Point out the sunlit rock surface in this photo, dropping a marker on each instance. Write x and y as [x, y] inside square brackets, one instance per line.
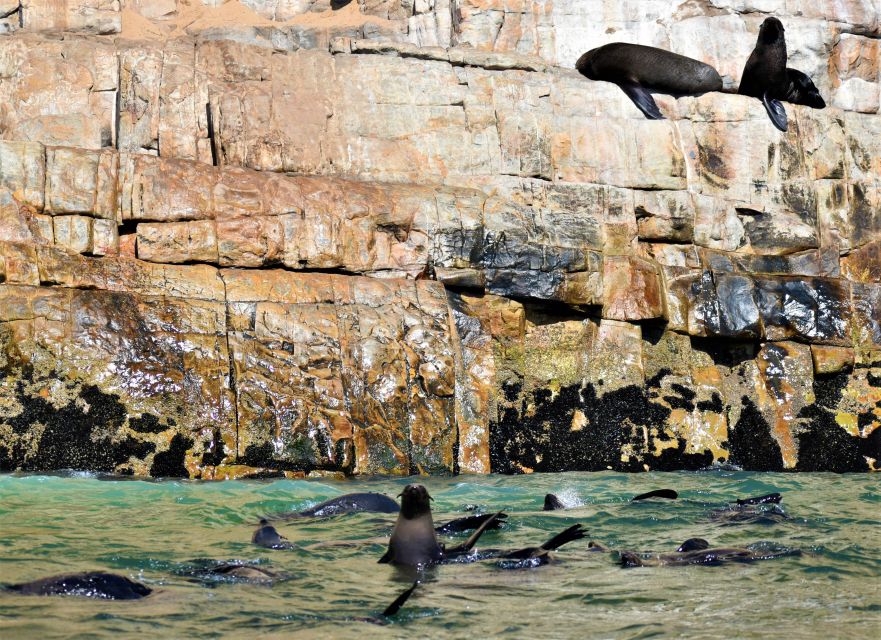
[261, 237]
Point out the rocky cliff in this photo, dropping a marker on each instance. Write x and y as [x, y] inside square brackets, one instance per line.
[403, 236]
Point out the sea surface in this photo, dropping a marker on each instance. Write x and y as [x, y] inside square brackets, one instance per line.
[154, 531]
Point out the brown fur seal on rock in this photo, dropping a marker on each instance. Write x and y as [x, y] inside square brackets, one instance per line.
[97, 584]
[641, 71]
[414, 541]
[800, 89]
[764, 76]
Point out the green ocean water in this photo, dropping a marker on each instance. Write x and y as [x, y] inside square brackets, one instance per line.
[150, 531]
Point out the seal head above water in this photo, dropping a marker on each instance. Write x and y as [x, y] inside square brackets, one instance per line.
[641, 71]
[414, 541]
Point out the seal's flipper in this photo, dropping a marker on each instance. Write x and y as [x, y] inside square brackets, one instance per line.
[575, 532]
[776, 111]
[643, 100]
[669, 494]
[386, 557]
[395, 606]
[552, 503]
[466, 546]
[771, 498]
[472, 522]
[693, 544]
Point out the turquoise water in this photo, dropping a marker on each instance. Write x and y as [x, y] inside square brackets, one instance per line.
[151, 530]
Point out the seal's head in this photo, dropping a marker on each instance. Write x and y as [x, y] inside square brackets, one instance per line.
[771, 30]
[584, 65]
[807, 94]
[415, 501]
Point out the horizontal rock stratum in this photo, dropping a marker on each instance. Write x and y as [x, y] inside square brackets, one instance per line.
[252, 239]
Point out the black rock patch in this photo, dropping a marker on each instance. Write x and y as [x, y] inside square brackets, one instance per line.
[170, 463]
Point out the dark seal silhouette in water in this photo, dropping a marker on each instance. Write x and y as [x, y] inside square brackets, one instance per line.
[213, 572]
[266, 536]
[641, 71]
[764, 76]
[697, 551]
[348, 503]
[414, 540]
[536, 556]
[667, 494]
[378, 503]
[100, 585]
[770, 498]
[552, 503]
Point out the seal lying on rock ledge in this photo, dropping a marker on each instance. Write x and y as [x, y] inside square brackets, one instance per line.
[97, 584]
[641, 70]
[764, 75]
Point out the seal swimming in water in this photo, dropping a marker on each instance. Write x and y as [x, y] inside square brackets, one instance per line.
[756, 510]
[667, 494]
[267, 536]
[97, 584]
[212, 572]
[535, 556]
[552, 503]
[379, 503]
[764, 75]
[348, 503]
[414, 540]
[698, 551]
[639, 71]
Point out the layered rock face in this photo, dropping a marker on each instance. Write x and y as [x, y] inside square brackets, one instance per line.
[240, 238]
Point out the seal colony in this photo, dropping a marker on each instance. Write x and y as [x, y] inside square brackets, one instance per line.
[414, 547]
[640, 71]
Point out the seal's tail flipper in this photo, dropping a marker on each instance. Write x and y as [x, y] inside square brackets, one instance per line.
[472, 522]
[552, 503]
[771, 498]
[669, 494]
[776, 112]
[395, 606]
[575, 532]
[693, 544]
[643, 100]
[466, 546]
